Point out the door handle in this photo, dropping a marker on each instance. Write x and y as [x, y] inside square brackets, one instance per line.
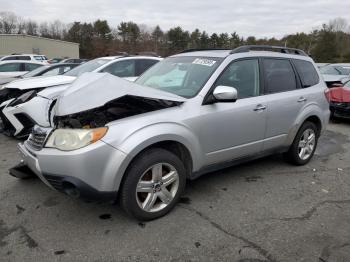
[302, 99]
[260, 108]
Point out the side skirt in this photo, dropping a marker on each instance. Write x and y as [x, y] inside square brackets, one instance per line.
[235, 162]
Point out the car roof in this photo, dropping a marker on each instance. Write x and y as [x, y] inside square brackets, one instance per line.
[130, 57]
[224, 54]
[248, 51]
[62, 64]
[207, 53]
[22, 61]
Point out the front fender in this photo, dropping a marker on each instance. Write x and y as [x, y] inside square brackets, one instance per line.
[139, 139]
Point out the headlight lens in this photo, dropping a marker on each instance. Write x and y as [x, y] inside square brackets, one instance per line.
[72, 139]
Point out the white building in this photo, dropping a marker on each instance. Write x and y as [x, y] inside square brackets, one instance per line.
[27, 44]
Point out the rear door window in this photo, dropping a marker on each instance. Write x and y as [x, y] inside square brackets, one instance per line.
[279, 75]
[143, 64]
[307, 73]
[52, 72]
[125, 68]
[10, 67]
[65, 69]
[30, 67]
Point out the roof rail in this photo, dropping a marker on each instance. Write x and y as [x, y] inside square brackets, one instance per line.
[281, 49]
[202, 49]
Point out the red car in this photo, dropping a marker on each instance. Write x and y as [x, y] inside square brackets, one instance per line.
[339, 97]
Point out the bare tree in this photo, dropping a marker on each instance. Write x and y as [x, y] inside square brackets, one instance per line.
[338, 24]
[8, 22]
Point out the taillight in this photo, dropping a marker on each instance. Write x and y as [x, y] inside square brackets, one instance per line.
[327, 94]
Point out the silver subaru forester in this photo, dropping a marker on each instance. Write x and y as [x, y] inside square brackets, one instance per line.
[192, 113]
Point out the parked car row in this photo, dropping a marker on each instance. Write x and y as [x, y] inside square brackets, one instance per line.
[25, 102]
[24, 57]
[99, 136]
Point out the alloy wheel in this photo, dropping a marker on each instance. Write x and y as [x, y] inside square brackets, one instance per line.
[157, 187]
[306, 144]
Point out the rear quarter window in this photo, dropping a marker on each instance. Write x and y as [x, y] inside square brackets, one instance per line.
[307, 72]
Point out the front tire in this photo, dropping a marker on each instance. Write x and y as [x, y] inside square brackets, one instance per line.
[153, 184]
[304, 145]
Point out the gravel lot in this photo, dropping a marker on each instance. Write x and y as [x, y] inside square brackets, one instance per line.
[265, 210]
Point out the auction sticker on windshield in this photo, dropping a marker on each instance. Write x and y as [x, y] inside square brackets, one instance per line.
[205, 62]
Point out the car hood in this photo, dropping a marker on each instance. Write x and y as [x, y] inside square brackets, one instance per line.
[6, 80]
[40, 82]
[93, 90]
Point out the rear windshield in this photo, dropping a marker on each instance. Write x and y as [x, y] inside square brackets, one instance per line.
[335, 70]
[40, 58]
[183, 76]
[87, 67]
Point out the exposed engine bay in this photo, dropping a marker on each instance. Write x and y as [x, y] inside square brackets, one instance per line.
[119, 108]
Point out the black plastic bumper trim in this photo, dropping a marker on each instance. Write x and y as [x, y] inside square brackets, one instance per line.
[21, 171]
[62, 183]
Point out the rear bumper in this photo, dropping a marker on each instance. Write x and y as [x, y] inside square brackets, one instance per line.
[341, 110]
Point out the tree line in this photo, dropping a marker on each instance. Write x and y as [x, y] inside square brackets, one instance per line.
[329, 43]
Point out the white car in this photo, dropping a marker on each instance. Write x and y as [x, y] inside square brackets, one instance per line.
[335, 73]
[20, 114]
[17, 68]
[25, 57]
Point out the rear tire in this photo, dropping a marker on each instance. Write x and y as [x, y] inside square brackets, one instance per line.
[153, 184]
[304, 145]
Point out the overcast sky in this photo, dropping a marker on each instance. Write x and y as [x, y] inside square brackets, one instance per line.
[264, 18]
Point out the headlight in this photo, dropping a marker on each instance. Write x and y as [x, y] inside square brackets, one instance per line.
[23, 98]
[72, 139]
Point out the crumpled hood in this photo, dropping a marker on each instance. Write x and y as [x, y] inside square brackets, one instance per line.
[92, 90]
[40, 82]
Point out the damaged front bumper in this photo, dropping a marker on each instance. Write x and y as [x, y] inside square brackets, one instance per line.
[92, 172]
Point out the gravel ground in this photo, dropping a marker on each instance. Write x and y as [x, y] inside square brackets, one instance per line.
[265, 210]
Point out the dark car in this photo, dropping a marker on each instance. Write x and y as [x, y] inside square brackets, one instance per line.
[45, 70]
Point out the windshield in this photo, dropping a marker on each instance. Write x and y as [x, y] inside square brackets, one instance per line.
[87, 67]
[334, 70]
[35, 72]
[183, 76]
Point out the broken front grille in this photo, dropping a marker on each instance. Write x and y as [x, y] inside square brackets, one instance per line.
[37, 139]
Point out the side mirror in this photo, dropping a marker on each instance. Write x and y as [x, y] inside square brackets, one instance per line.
[225, 94]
